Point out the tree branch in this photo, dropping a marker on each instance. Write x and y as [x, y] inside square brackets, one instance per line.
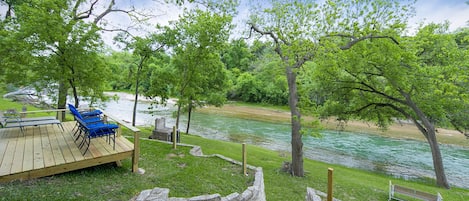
[355, 40]
[268, 33]
[85, 14]
[107, 11]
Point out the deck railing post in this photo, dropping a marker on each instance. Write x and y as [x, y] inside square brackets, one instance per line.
[244, 159]
[105, 118]
[119, 129]
[136, 151]
[174, 136]
[329, 184]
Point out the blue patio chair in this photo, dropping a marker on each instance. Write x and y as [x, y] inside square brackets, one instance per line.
[88, 117]
[89, 131]
[92, 113]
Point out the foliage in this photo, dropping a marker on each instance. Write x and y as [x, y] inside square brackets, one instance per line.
[421, 78]
[366, 81]
[264, 82]
[197, 39]
[58, 47]
[119, 64]
[237, 55]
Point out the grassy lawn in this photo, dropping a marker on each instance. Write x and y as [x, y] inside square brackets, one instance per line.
[349, 184]
[184, 174]
[187, 176]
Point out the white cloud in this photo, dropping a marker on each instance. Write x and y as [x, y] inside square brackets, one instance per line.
[438, 11]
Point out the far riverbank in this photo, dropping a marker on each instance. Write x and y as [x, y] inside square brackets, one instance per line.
[400, 131]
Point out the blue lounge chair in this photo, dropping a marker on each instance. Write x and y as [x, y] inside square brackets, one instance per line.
[89, 131]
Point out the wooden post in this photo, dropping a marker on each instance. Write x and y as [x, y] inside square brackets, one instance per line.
[174, 137]
[329, 184]
[244, 159]
[105, 118]
[136, 155]
[119, 129]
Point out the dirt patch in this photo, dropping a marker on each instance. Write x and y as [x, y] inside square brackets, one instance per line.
[400, 131]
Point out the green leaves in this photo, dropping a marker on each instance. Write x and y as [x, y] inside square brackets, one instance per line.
[370, 80]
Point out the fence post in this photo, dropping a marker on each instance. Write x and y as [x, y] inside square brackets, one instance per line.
[174, 137]
[329, 184]
[244, 159]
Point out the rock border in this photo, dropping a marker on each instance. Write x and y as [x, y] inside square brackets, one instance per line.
[315, 195]
[255, 192]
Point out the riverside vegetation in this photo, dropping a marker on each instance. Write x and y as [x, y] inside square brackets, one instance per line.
[183, 174]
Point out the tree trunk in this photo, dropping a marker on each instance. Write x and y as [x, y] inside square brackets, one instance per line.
[296, 142]
[189, 117]
[177, 115]
[62, 100]
[75, 93]
[428, 130]
[134, 113]
[437, 160]
[137, 83]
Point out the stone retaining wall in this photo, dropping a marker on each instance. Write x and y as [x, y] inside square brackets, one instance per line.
[315, 195]
[252, 193]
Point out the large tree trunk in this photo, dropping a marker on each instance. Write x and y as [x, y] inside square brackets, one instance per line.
[296, 142]
[428, 130]
[437, 160]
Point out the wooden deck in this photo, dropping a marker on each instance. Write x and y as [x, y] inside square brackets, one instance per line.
[47, 150]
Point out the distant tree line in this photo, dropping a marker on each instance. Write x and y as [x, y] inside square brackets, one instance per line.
[254, 73]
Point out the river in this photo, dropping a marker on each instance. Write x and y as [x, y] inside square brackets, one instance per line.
[401, 158]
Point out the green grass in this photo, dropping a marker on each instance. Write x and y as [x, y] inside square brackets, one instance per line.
[184, 174]
[349, 184]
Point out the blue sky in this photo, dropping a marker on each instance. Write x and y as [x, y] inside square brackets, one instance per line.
[455, 11]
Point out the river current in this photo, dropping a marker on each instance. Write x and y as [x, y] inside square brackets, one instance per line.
[401, 158]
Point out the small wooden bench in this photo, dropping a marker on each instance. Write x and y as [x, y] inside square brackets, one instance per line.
[394, 190]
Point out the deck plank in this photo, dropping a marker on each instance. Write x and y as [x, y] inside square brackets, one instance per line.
[47, 150]
[28, 163]
[55, 145]
[3, 143]
[17, 165]
[70, 140]
[8, 157]
[65, 147]
[124, 143]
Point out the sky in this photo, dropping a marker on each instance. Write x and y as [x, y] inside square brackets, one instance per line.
[438, 11]
[455, 11]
